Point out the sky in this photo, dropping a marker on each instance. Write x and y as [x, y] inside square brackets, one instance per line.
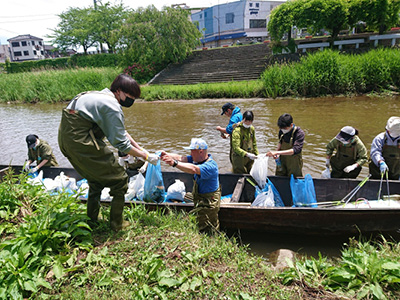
[38, 17]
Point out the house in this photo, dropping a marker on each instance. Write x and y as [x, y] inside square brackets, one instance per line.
[242, 21]
[26, 47]
[4, 53]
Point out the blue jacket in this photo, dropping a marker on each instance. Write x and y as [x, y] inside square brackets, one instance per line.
[235, 118]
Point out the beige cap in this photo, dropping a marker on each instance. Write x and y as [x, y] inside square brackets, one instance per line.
[393, 126]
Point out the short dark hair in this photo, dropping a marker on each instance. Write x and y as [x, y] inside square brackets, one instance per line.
[126, 84]
[285, 121]
[248, 115]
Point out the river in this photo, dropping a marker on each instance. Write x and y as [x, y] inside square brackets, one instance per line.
[169, 126]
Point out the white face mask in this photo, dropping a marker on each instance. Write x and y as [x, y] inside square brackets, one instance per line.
[285, 130]
[246, 125]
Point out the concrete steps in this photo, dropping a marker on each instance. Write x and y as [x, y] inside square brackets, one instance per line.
[217, 65]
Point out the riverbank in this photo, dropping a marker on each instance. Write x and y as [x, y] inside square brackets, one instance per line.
[319, 74]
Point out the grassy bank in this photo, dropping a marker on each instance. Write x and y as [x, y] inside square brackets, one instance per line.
[329, 72]
[319, 74]
[49, 251]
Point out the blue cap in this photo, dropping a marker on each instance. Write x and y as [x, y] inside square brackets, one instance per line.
[197, 144]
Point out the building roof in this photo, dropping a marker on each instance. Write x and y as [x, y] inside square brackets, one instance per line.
[24, 37]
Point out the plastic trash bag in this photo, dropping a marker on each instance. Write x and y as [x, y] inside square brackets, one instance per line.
[265, 198]
[259, 171]
[303, 191]
[135, 184]
[276, 196]
[326, 174]
[154, 190]
[176, 191]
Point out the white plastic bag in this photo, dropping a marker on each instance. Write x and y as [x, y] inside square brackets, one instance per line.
[326, 174]
[176, 190]
[135, 184]
[259, 171]
[265, 199]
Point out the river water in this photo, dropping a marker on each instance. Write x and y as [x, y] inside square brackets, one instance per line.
[169, 125]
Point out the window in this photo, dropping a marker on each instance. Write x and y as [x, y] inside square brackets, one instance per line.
[17, 53]
[33, 43]
[26, 53]
[271, 7]
[34, 52]
[40, 43]
[251, 4]
[41, 52]
[15, 44]
[23, 43]
[201, 16]
[229, 18]
[257, 4]
[205, 14]
[262, 23]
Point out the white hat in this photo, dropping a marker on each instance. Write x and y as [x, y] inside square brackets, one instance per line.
[393, 126]
[197, 144]
[346, 133]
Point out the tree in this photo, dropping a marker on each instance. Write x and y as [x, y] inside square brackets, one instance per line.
[107, 21]
[281, 21]
[75, 30]
[153, 37]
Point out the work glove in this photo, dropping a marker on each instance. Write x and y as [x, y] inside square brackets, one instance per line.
[121, 161]
[143, 168]
[383, 167]
[251, 156]
[26, 167]
[350, 168]
[153, 159]
[33, 170]
[328, 163]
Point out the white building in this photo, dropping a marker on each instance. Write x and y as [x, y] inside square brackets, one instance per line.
[226, 24]
[26, 47]
[4, 53]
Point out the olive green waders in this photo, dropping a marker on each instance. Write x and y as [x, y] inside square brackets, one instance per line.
[344, 156]
[207, 207]
[81, 141]
[391, 154]
[291, 164]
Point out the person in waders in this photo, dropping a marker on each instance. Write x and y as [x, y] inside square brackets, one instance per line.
[244, 144]
[235, 116]
[288, 155]
[40, 151]
[385, 152]
[87, 120]
[350, 154]
[206, 188]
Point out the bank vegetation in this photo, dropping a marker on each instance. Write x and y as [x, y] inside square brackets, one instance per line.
[319, 74]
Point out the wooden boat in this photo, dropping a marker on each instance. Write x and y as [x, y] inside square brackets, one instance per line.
[295, 220]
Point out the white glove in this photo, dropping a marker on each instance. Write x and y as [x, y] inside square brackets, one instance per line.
[153, 159]
[26, 167]
[350, 168]
[131, 159]
[33, 170]
[121, 161]
[328, 163]
[143, 168]
[251, 156]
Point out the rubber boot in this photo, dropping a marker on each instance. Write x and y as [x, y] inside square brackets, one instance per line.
[116, 214]
[93, 203]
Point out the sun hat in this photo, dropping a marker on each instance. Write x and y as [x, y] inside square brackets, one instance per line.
[346, 133]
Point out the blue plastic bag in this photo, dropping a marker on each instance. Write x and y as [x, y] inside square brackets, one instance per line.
[154, 190]
[303, 191]
[277, 197]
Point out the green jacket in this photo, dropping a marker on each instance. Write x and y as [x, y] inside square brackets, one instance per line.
[244, 140]
[41, 152]
[360, 152]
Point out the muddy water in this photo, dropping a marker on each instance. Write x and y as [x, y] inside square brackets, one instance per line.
[169, 125]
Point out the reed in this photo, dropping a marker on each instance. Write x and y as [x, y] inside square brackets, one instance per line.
[53, 85]
[330, 72]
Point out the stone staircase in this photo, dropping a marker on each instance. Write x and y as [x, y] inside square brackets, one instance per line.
[217, 65]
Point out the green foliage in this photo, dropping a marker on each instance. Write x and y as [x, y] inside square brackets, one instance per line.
[153, 37]
[142, 74]
[45, 229]
[329, 72]
[367, 270]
